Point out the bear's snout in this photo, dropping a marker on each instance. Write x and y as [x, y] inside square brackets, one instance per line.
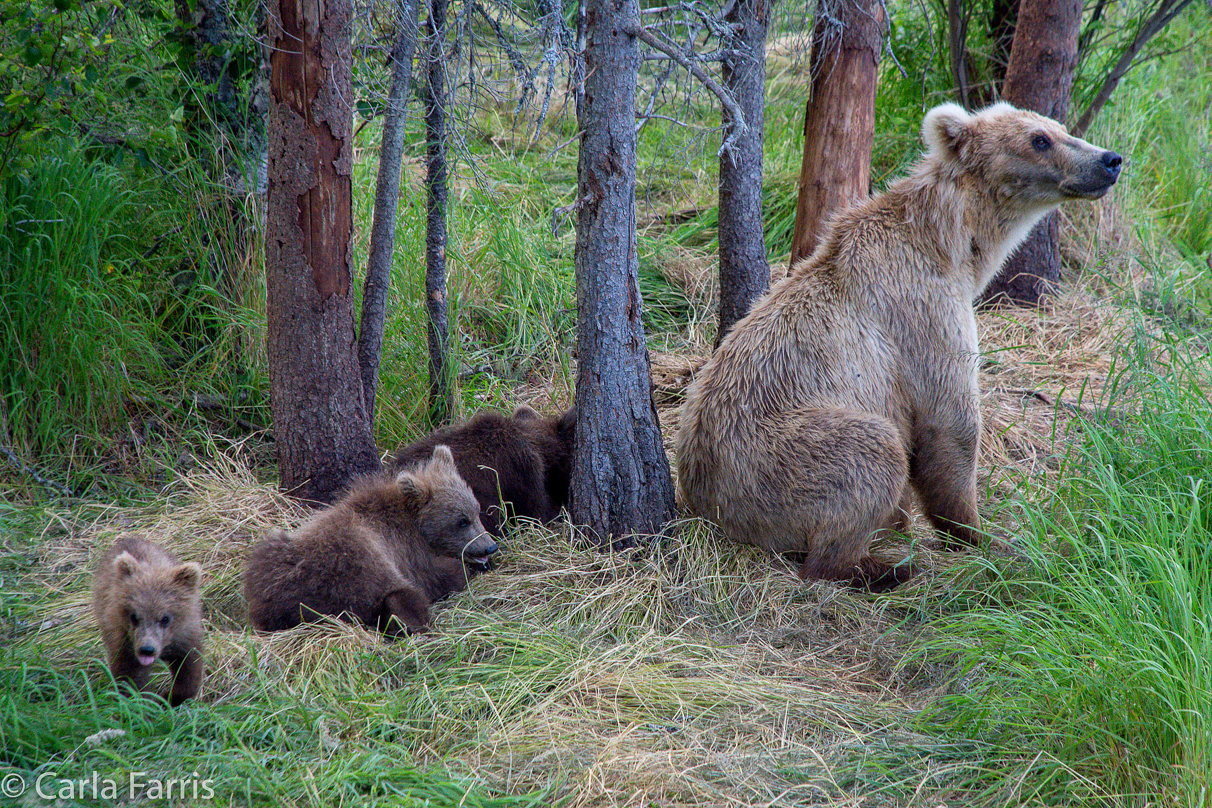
[146, 654]
[1112, 162]
[478, 552]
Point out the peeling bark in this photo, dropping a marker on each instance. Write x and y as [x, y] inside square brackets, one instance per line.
[839, 118]
[321, 430]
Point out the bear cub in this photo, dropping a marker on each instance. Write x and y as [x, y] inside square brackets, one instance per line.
[393, 544]
[149, 607]
[516, 466]
[851, 389]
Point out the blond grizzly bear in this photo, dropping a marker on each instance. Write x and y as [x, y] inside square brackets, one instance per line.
[379, 556]
[149, 607]
[854, 381]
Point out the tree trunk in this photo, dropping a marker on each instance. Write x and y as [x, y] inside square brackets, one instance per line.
[1038, 77]
[621, 483]
[320, 426]
[387, 199]
[958, 17]
[1003, 17]
[744, 270]
[441, 391]
[839, 118]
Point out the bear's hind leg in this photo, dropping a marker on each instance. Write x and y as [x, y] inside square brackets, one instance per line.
[861, 571]
[835, 481]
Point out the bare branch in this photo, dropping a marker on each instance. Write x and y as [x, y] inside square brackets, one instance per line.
[1166, 11]
[633, 28]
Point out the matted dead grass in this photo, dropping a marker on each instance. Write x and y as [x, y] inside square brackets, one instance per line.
[687, 672]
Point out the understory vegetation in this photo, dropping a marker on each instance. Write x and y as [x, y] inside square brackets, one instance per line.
[684, 672]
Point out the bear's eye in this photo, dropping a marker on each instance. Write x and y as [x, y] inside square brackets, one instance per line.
[134, 619]
[164, 620]
[463, 522]
[1041, 143]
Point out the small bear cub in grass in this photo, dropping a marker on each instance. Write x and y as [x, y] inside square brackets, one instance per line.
[149, 607]
[379, 556]
[517, 465]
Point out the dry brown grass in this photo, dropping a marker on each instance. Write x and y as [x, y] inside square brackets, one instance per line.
[688, 672]
[694, 672]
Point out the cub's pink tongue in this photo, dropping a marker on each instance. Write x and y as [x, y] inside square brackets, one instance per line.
[146, 659]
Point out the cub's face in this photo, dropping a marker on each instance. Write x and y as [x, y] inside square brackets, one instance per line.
[155, 601]
[449, 516]
[1022, 155]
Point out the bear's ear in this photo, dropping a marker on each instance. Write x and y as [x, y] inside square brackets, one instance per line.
[442, 458]
[187, 576]
[412, 486]
[125, 565]
[945, 130]
[525, 413]
[567, 425]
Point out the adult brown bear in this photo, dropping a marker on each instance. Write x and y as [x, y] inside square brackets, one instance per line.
[854, 381]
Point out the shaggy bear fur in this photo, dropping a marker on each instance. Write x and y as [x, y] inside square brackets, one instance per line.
[379, 556]
[854, 381]
[149, 607]
[517, 466]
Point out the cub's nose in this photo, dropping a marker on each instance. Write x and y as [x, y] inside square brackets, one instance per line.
[1112, 162]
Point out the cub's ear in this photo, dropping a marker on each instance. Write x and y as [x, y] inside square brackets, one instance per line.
[412, 486]
[945, 129]
[525, 413]
[188, 576]
[442, 458]
[125, 564]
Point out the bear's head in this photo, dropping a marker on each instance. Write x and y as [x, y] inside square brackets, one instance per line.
[447, 513]
[1019, 154]
[155, 600]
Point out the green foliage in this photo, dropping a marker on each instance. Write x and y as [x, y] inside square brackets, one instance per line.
[259, 750]
[80, 69]
[1177, 165]
[1094, 656]
[74, 336]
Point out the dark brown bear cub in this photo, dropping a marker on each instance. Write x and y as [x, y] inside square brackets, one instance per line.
[379, 556]
[521, 463]
[149, 607]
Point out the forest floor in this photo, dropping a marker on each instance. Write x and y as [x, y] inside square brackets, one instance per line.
[686, 672]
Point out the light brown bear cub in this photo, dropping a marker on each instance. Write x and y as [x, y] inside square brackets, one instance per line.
[379, 556]
[149, 607]
[854, 381]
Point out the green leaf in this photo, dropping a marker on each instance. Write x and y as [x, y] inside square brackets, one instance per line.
[33, 53]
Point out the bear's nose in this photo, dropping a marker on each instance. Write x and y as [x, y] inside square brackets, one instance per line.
[147, 650]
[1112, 162]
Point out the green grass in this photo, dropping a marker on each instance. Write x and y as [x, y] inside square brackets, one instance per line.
[695, 673]
[1094, 654]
